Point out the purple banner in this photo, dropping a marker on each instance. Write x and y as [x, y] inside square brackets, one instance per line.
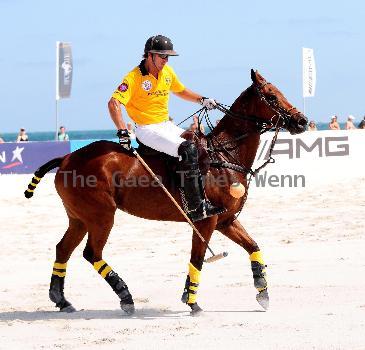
[26, 157]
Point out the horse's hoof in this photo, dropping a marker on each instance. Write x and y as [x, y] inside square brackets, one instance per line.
[127, 308]
[68, 309]
[195, 309]
[263, 299]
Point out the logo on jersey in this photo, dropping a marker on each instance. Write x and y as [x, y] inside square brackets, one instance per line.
[147, 85]
[168, 80]
[123, 87]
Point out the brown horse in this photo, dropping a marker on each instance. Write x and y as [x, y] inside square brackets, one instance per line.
[106, 168]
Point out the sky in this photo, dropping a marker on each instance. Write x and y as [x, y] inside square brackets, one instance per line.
[218, 42]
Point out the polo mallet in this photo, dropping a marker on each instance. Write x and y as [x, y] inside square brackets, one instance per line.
[214, 257]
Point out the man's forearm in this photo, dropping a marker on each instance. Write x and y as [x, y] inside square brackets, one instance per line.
[116, 113]
[189, 95]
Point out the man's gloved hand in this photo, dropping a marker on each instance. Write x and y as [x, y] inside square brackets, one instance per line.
[124, 139]
[208, 103]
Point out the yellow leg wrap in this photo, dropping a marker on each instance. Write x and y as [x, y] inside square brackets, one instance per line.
[102, 267]
[257, 257]
[194, 275]
[59, 269]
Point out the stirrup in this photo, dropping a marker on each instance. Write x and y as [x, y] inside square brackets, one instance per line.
[205, 210]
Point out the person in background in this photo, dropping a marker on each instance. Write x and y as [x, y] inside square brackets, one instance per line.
[62, 136]
[362, 124]
[130, 129]
[312, 126]
[350, 123]
[22, 136]
[1, 140]
[333, 125]
[193, 127]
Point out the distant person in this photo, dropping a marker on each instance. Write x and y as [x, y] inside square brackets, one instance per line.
[350, 123]
[362, 124]
[22, 136]
[62, 136]
[312, 126]
[194, 127]
[130, 129]
[1, 140]
[333, 125]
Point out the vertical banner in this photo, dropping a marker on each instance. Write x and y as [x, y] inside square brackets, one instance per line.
[63, 70]
[309, 73]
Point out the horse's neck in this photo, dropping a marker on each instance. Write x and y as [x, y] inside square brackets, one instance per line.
[229, 129]
[242, 149]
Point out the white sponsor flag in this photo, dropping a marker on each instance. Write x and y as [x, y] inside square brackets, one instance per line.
[309, 73]
[63, 70]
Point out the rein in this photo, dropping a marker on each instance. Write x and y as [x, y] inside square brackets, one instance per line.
[283, 117]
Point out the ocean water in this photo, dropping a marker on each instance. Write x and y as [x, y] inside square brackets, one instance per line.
[93, 134]
[73, 135]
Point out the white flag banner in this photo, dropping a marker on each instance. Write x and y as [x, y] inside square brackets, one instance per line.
[63, 70]
[309, 73]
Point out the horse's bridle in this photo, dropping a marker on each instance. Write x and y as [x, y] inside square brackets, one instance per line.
[284, 115]
[283, 119]
[281, 113]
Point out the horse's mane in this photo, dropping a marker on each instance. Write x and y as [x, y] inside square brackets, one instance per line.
[238, 106]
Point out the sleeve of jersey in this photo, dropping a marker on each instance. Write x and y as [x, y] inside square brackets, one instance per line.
[123, 92]
[176, 84]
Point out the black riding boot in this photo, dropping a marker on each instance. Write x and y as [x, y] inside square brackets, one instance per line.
[196, 205]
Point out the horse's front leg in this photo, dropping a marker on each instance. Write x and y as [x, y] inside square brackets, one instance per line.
[206, 228]
[237, 233]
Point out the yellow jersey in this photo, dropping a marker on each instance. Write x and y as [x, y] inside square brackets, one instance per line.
[146, 98]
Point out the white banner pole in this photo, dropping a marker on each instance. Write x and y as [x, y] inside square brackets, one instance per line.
[57, 86]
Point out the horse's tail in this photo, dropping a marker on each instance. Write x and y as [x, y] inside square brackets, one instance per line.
[39, 173]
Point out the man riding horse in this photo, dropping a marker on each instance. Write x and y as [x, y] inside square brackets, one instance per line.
[144, 92]
[232, 146]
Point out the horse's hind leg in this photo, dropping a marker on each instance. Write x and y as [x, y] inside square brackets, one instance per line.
[237, 233]
[72, 238]
[98, 236]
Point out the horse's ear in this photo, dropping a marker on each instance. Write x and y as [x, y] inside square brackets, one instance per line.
[253, 76]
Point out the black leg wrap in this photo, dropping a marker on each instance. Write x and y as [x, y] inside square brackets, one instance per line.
[121, 289]
[185, 295]
[56, 294]
[259, 275]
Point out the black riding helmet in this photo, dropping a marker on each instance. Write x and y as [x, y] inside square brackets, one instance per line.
[159, 44]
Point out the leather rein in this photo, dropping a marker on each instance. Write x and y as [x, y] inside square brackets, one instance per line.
[282, 116]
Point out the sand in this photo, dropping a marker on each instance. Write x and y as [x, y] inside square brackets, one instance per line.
[312, 240]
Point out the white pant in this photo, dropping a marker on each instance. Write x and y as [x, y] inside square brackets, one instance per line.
[164, 137]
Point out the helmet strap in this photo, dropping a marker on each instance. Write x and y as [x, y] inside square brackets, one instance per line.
[153, 59]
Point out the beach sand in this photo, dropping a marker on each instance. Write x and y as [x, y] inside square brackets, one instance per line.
[312, 240]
